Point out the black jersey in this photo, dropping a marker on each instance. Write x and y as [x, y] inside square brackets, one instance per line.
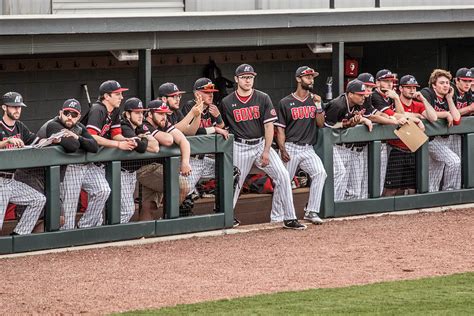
[439, 104]
[129, 131]
[154, 130]
[101, 122]
[85, 142]
[18, 130]
[175, 117]
[338, 109]
[462, 100]
[297, 117]
[380, 102]
[246, 117]
[207, 120]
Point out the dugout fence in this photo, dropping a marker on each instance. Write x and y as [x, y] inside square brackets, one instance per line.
[51, 158]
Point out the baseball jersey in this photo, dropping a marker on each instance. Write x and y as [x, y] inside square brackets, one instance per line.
[382, 103]
[338, 109]
[101, 122]
[154, 130]
[246, 116]
[129, 131]
[297, 117]
[175, 117]
[415, 107]
[85, 142]
[439, 104]
[461, 100]
[18, 130]
[207, 120]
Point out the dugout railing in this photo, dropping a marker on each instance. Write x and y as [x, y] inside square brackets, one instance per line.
[375, 203]
[51, 158]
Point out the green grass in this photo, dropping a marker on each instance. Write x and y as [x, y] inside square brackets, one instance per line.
[447, 295]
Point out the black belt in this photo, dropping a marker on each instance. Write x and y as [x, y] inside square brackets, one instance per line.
[248, 141]
[7, 175]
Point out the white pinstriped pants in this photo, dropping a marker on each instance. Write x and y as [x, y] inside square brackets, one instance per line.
[92, 180]
[350, 169]
[306, 158]
[384, 151]
[19, 193]
[201, 168]
[445, 163]
[128, 181]
[247, 155]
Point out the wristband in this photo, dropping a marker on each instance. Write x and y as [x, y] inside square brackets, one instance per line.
[210, 130]
[219, 119]
[456, 122]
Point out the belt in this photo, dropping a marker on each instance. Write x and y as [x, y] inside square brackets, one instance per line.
[248, 141]
[7, 175]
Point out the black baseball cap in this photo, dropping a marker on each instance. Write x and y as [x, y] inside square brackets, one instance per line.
[204, 85]
[72, 105]
[305, 70]
[134, 105]
[356, 86]
[409, 81]
[158, 106]
[169, 89]
[367, 79]
[465, 74]
[385, 74]
[13, 99]
[110, 86]
[245, 69]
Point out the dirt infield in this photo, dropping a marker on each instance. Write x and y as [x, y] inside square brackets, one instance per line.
[338, 253]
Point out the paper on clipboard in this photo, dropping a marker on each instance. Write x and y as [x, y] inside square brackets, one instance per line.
[48, 141]
[411, 135]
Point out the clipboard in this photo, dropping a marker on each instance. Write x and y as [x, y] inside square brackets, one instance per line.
[411, 135]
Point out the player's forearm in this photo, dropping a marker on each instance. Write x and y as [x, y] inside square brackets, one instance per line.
[185, 149]
[429, 113]
[320, 120]
[280, 137]
[465, 110]
[382, 120]
[453, 110]
[269, 131]
[398, 106]
[153, 146]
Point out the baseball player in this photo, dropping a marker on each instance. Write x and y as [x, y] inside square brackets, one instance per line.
[103, 123]
[349, 158]
[300, 114]
[77, 176]
[210, 122]
[151, 176]
[401, 172]
[14, 134]
[170, 95]
[463, 97]
[249, 115]
[445, 159]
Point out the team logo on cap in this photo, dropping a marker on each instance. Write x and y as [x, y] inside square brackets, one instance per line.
[362, 87]
[140, 105]
[371, 79]
[73, 103]
[411, 81]
[18, 99]
[469, 73]
[175, 87]
[247, 68]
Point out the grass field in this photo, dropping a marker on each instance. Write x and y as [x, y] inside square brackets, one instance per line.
[447, 295]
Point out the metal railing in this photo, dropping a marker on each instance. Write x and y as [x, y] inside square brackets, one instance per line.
[52, 158]
[377, 204]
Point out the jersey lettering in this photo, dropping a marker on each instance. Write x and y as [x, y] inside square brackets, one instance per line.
[10, 146]
[205, 122]
[302, 112]
[247, 114]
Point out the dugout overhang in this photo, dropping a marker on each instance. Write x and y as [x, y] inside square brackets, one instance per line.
[38, 34]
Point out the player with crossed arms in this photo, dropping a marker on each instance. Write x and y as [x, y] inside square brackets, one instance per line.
[299, 116]
[249, 115]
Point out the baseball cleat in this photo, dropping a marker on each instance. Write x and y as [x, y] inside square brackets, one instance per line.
[293, 224]
[313, 218]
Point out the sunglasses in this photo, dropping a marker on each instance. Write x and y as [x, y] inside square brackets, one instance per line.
[70, 113]
[207, 86]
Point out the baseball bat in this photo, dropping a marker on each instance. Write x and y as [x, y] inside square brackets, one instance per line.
[86, 89]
